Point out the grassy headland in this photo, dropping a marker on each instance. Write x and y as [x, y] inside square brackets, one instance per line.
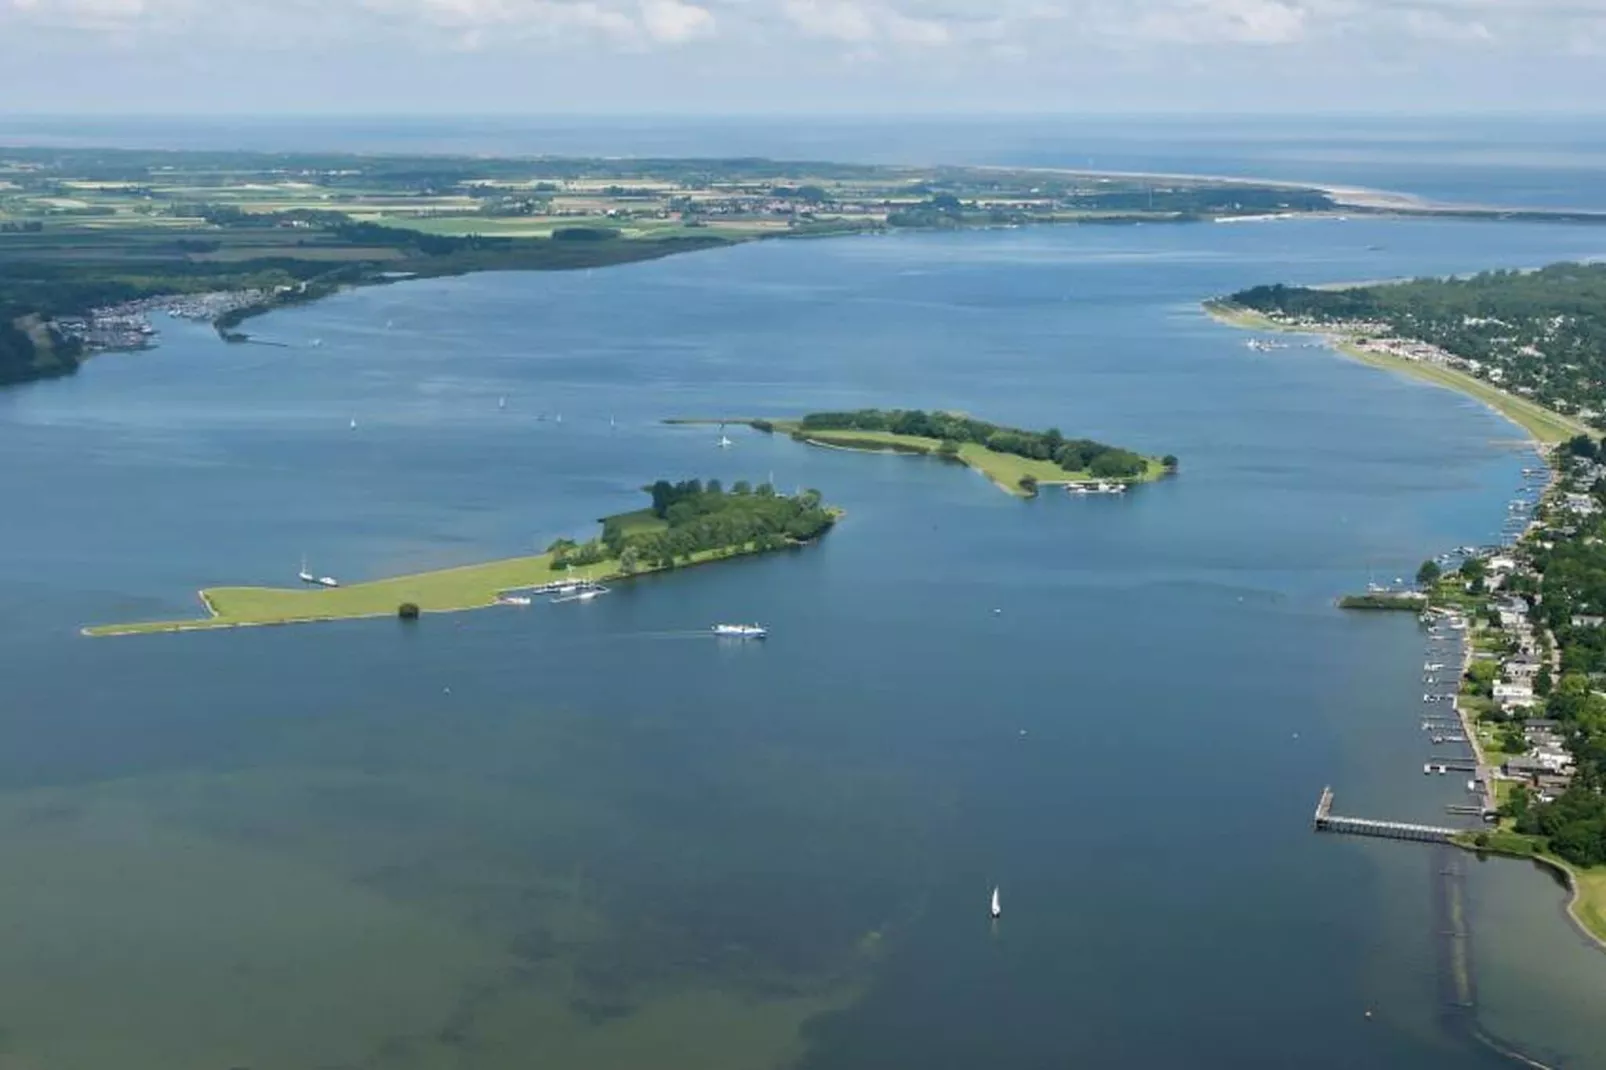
[690, 523]
[1016, 461]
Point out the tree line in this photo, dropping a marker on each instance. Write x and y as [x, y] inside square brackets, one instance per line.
[1076, 455]
[697, 517]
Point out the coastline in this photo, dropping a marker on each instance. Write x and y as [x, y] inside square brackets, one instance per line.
[1542, 426]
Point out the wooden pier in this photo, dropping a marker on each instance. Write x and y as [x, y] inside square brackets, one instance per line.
[1327, 821]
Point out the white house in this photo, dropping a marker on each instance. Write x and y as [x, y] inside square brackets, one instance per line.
[1514, 693]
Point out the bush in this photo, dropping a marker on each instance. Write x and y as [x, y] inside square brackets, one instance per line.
[1028, 484]
[764, 426]
[407, 611]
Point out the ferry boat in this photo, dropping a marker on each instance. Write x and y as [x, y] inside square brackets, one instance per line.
[740, 631]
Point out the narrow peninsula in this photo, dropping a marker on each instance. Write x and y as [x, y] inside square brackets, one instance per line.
[688, 523]
[1015, 460]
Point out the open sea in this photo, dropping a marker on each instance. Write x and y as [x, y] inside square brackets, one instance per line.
[593, 837]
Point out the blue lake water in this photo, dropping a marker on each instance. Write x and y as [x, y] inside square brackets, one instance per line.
[592, 836]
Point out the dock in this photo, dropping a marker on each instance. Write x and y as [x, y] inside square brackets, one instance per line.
[1327, 821]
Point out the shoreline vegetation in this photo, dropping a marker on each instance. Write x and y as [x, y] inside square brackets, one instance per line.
[1016, 461]
[89, 236]
[1530, 344]
[689, 523]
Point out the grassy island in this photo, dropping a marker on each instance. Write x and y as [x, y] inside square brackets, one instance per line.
[1017, 461]
[688, 523]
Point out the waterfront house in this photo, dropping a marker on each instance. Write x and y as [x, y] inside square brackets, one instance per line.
[1582, 504]
[1522, 668]
[1587, 620]
[1551, 785]
[1523, 768]
[1513, 693]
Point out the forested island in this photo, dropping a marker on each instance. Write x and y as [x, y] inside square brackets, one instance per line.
[1016, 460]
[689, 523]
[1537, 337]
[94, 240]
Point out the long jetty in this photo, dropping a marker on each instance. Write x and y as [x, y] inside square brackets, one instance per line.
[1327, 821]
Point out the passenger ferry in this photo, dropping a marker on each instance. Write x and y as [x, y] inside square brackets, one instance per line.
[740, 631]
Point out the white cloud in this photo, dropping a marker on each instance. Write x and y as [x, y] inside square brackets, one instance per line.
[914, 24]
[840, 20]
[1265, 22]
[1002, 33]
[674, 21]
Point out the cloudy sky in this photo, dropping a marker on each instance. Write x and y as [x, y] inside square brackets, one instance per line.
[800, 56]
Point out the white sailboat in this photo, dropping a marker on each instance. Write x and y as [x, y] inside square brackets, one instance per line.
[354, 425]
[501, 402]
[724, 441]
[304, 576]
[995, 909]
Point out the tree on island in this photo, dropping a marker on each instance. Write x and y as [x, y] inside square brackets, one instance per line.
[1071, 455]
[1428, 574]
[407, 611]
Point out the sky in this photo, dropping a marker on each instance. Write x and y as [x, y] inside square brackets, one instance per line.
[799, 56]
